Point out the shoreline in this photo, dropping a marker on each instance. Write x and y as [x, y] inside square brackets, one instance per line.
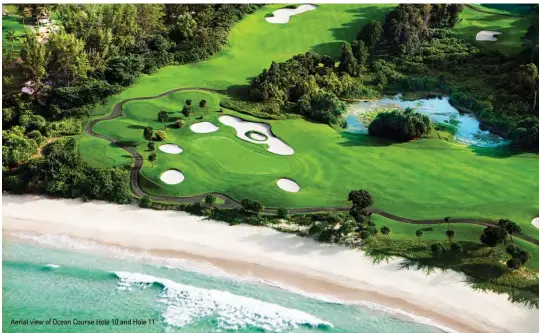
[267, 256]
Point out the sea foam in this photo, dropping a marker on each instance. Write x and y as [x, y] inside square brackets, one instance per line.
[185, 305]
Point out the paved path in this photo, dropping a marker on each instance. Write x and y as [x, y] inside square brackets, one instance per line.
[229, 202]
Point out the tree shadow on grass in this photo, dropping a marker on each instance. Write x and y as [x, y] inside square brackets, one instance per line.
[125, 144]
[362, 140]
[501, 152]
[135, 127]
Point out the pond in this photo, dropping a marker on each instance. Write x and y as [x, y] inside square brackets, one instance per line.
[467, 130]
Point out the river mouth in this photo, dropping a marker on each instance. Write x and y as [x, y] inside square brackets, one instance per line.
[465, 126]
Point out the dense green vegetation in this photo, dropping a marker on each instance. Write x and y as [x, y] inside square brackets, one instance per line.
[400, 126]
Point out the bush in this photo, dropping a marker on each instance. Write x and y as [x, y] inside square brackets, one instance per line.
[437, 249]
[322, 106]
[187, 110]
[145, 201]
[400, 126]
[456, 248]
[180, 123]
[160, 135]
[282, 213]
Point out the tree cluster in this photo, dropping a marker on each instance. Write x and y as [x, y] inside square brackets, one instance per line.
[400, 126]
[62, 172]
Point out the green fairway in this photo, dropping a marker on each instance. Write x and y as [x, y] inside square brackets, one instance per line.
[423, 179]
[512, 27]
[12, 23]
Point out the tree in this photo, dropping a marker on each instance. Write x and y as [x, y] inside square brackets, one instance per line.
[513, 263]
[67, 59]
[361, 199]
[447, 220]
[11, 38]
[180, 123]
[361, 53]
[456, 248]
[145, 201]
[348, 63]
[188, 102]
[437, 249]
[525, 80]
[510, 226]
[370, 33]
[162, 116]
[419, 233]
[160, 135]
[34, 58]
[282, 213]
[385, 230]
[531, 40]
[148, 133]
[210, 200]
[246, 204]
[187, 110]
[256, 206]
[450, 234]
[202, 103]
[492, 236]
[151, 146]
[400, 126]
[152, 157]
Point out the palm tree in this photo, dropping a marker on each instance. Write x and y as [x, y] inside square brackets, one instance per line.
[11, 38]
[148, 133]
[385, 230]
[510, 226]
[151, 146]
[450, 234]
[419, 233]
[152, 158]
[447, 220]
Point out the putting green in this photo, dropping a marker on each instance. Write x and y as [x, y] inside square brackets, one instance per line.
[422, 179]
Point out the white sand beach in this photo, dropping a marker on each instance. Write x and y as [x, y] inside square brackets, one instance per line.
[259, 252]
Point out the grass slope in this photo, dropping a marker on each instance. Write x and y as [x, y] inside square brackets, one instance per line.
[252, 45]
[513, 28]
[422, 179]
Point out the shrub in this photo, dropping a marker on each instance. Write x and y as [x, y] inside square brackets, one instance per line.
[282, 213]
[456, 248]
[160, 135]
[187, 110]
[145, 202]
[180, 123]
[437, 249]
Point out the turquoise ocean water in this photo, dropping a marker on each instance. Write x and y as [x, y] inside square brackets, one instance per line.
[68, 287]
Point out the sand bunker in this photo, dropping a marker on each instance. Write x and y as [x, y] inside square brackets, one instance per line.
[281, 16]
[204, 127]
[288, 185]
[172, 177]
[275, 145]
[535, 222]
[170, 148]
[487, 35]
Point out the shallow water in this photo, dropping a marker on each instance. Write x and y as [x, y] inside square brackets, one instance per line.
[171, 295]
[439, 111]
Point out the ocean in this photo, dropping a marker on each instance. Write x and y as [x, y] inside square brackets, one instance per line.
[60, 284]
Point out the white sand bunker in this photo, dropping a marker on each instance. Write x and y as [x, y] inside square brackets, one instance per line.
[281, 16]
[288, 185]
[487, 35]
[535, 222]
[172, 177]
[276, 145]
[170, 148]
[204, 127]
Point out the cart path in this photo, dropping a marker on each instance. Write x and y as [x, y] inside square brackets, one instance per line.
[117, 111]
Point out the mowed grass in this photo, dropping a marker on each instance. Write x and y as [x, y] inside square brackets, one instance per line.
[107, 154]
[252, 45]
[12, 23]
[424, 179]
[512, 27]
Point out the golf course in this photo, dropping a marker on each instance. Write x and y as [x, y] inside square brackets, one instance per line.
[423, 179]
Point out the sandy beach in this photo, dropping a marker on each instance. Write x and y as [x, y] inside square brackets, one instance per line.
[263, 253]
